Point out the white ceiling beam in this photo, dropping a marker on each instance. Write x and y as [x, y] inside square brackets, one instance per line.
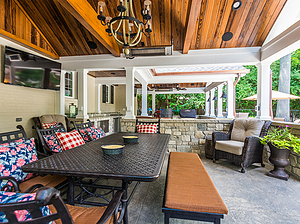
[206, 57]
[282, 45]
[187, 91]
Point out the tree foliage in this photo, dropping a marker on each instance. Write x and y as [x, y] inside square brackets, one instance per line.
[247, 86]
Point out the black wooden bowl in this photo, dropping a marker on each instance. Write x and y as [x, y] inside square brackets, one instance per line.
[130, 138]
[112, 149]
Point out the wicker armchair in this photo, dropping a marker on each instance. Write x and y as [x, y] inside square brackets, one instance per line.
[61, 212]
[237, 146]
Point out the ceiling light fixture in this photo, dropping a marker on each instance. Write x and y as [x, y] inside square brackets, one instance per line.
[236, 5]
[125, 28]
[227, 36]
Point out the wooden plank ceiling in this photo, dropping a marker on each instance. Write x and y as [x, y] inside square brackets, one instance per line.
[67, 29]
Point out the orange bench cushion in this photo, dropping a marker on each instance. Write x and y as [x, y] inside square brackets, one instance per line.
[81, 215]
[189, 186]
[47, 181]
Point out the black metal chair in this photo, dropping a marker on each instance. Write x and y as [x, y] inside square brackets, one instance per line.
[85, 125]
[62, 213]
[13, 135]
[143, 122]
[44, 150]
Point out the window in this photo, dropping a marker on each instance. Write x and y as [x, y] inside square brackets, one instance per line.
[69, 84]
[104, 94]
[112, 94]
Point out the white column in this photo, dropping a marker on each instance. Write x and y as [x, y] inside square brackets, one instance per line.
[220, 103]
[206, 104]
[263, 90]
[82, 93]
[230, 98]
[130, 93]
[98, 98]
[153, 103]
[62, 93]
[212, 103]
[144, 99]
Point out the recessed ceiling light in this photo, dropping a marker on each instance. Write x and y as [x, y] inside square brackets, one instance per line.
[92, 44]
[236, 5]
[227, 36]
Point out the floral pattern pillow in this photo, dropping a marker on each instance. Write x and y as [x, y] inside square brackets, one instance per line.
[96, 133]
[22, 215]
[12, 143]
[52, 143]
[12, 158]
[86, 135]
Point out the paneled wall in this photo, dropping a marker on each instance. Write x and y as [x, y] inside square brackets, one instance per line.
[14, 21]
[22, 102]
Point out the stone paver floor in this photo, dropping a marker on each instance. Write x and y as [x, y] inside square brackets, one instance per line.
[251, 198]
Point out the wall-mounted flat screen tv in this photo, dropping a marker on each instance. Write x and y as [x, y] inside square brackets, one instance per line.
[26, 69]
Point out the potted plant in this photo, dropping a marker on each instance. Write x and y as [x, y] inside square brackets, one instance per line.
[281, 141]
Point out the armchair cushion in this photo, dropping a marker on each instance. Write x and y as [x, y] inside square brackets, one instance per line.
[246, 127]
[231, 146]
[48, 125]
[52, 143]
[147, 128]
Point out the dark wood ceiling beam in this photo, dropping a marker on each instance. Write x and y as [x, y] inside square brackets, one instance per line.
[87, 16]
[194, 12]
[36, 27]
[24, 43]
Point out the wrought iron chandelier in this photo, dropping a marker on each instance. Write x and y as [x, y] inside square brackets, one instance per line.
[126, 29]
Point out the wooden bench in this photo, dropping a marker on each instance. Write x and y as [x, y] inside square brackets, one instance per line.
[189, 192]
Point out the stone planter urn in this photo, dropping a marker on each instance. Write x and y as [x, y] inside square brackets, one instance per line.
[280, 159]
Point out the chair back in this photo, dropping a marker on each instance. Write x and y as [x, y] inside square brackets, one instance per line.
[51, 131]
[13, 135]
[144, 122]
[80, 126]
[51, 118]
[44, 196]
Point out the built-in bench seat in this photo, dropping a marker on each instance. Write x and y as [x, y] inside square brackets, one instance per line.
[189, 192]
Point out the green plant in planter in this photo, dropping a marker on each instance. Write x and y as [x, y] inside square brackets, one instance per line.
[282, 138]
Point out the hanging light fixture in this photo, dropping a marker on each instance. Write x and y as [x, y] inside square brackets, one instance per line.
[126, 29]
[224, 95]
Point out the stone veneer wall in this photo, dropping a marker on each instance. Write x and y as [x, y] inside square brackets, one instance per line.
[187, 135]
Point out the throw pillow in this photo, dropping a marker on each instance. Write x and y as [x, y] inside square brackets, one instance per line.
[14, 142]
[22, 215]
[68, 140]
[52, 143]
[86, 135]
[48, 125]
[96, 133]
[147, 128]
[12, 158]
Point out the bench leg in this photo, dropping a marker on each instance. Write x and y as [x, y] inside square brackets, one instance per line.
[217, 221]
[167, 216]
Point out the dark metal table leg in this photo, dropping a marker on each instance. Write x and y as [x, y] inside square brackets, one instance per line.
[124, 197]
[70, 193]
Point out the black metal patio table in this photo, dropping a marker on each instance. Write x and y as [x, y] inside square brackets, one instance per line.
[141, 161]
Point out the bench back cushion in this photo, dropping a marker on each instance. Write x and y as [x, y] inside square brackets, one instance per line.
[246, 127]
[189, 186]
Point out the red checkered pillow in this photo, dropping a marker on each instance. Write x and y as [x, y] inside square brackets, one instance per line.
[48, 125]
[68, 140]
[147, 128]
